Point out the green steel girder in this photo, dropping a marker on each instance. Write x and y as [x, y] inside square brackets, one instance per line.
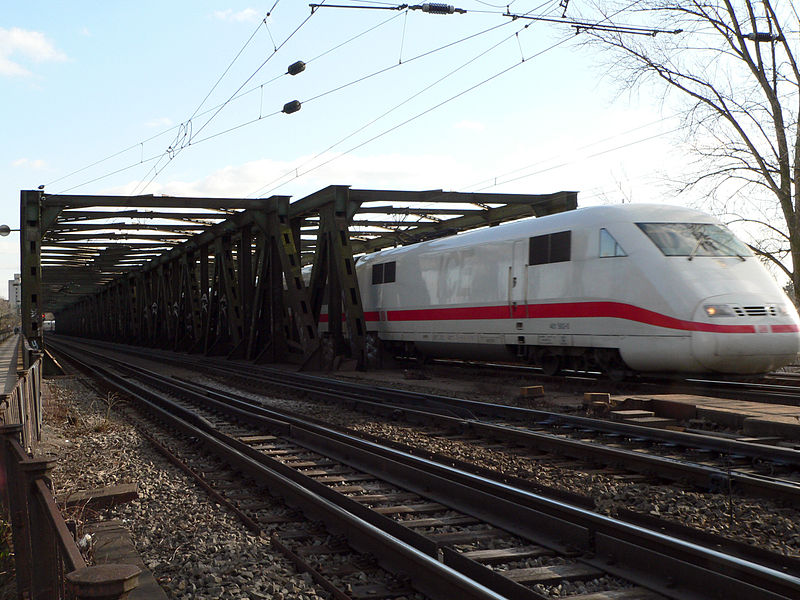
[213, 281]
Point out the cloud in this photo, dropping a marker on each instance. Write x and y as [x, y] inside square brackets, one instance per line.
[27, 163]
[248, 15]
[25, 45]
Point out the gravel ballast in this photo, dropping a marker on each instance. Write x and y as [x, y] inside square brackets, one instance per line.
[195, 549]
[198, 550]
[760, 522]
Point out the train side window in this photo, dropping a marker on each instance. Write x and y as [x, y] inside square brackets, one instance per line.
[389, 272]
[550, 248]
[377, 274]
[560, 246]
[609, 246]
[539, 250]
[384, 272]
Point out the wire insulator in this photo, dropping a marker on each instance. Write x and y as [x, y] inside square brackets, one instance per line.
[291, 107]
[763, 36]
[296, 68]
[438, 9]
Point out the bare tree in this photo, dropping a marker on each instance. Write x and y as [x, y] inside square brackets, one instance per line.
[9, 318]
[735, 63]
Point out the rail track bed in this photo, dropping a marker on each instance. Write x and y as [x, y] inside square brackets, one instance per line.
[773, 388]
[709, 462]
[471, 535]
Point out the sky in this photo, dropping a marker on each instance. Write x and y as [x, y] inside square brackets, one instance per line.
[186, 98]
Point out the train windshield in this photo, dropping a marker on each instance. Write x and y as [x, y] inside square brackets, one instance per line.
[694, 239]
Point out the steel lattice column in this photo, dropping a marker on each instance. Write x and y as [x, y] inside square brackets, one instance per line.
[31, 266]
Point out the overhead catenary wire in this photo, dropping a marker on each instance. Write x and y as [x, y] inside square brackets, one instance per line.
[228, 68]
[296, 168]
[437, 8]
[477, 185]
[187, 137]
[207, 111]
[587, 157]
[157, 171]
[112, 173]
[428, 110]
[179, 140]
[296, 171]
[170, 153]
[110, 156]
[413, 96]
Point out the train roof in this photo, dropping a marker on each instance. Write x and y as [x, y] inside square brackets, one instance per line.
[581, 217]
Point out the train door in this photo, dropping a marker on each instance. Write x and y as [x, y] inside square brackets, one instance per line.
[518, 280]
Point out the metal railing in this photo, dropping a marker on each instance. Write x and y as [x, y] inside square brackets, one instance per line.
[22, 405]
[48, 563]
[47, 560]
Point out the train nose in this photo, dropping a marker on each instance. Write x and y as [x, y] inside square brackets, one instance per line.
[745, 334]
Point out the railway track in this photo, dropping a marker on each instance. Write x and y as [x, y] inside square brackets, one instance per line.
[709, 462]
[487, 535]
[776, 388]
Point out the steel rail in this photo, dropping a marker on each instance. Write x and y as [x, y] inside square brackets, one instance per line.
[460, 407]
[465, 412]
[460, 412]
[241, 403]
[742, 388]
[610, 540]
[708, 477]
[469, 409]
[429, 575]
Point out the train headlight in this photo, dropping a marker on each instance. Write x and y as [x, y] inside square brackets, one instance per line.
[719, 310]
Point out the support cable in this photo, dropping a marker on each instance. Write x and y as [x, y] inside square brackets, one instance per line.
[495, 180]
[572, 160]
[444, 9]
[386, 113]
[298, 174]
[209, 110]
[186, 136]
[171, 152]
[295, 170]
[425, 112]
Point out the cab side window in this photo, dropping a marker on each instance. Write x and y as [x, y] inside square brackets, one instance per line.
[384, 272]
[550, 248]
[609, 246]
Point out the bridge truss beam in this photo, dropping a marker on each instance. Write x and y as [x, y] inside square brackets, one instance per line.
[112, 267]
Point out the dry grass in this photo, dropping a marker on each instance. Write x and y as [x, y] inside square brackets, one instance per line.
[8, 588]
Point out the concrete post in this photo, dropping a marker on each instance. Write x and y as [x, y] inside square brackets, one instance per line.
[103, 582]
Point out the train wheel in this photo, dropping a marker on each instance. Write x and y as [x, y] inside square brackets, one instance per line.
[550, 364]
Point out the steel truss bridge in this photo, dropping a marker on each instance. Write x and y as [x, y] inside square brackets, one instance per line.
[223, 276]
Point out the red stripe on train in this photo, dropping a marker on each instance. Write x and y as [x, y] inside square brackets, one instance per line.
[569, 310]
[785, 328]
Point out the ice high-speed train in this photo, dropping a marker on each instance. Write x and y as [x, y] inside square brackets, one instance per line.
[649, 288]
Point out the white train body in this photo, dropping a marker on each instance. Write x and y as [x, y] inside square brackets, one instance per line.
[586, 286]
